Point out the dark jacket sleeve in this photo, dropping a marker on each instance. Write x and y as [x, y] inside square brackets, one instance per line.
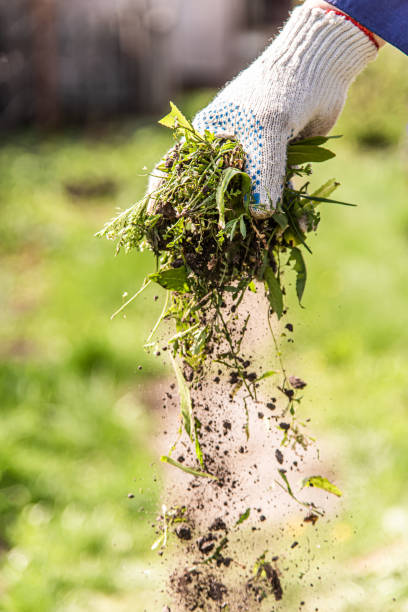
[386, 18]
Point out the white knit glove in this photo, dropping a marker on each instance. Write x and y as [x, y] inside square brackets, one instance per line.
[295, 89]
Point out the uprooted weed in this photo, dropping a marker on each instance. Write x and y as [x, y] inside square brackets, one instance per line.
[209, 249]
[210, 252]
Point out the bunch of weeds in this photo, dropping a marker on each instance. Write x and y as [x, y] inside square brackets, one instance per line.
[210, 251]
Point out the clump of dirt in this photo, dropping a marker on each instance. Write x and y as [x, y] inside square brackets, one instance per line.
[199, 590]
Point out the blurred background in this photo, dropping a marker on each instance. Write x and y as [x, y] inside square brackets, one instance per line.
[82, 86]
[79, 61]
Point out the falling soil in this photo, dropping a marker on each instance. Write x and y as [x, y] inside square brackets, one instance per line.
[233, 543]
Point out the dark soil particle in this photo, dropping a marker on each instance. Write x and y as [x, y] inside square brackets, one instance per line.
[183, 532]
[224, 561]
[194, 589]
[234, 377]
[259, 586]
[216, 591]
[273, 577]
[297, 383]
[206, 543]
[279, 456]
[218, 525]
[311, 518]
[188, 372]
[288, 392]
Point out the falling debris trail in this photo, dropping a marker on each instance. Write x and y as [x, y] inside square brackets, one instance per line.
[238, 455]
[235, 541]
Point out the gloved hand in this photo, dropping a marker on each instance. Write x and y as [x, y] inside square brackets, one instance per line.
[295, 89]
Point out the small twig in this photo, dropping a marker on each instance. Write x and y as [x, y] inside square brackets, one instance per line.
[131, 299]
[160, 319]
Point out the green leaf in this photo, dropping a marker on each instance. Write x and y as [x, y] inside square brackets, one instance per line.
[200, 337]
[281, 219]
[227, 176]
[185, 468]
[321, 483]
[186, 410]
[317, 199]
[325, 190]
[210, 136]
[301, 154]
[136, 213]
[314, 140]
[175, 119]
[185, 399]
[231, 227]
[174, 279]
[243, 517]
[252, 287]
[266, 375]
[288, 489]
[286, 481]
[242, 227]
[275, 293]
[199, 452]
[300, 269]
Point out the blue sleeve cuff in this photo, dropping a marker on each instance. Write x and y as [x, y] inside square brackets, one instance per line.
[389, 20]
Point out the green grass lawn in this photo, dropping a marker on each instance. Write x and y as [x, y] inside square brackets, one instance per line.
[73, 424]
[74, 430]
